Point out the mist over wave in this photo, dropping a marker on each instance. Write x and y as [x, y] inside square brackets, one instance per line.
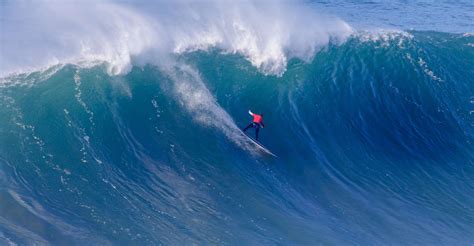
[268, 34]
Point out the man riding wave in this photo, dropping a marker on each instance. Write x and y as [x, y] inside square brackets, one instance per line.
[256, 123]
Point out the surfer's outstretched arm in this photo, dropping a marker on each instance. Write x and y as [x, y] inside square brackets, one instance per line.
[250, 112]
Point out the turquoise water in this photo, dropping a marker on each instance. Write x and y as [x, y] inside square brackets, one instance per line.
[373, 136]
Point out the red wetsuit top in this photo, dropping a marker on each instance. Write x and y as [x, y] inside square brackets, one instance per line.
[257, 118]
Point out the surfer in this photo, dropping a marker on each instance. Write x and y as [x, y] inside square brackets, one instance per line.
[256, 123]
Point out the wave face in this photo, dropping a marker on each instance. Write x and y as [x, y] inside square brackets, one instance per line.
[373, 132]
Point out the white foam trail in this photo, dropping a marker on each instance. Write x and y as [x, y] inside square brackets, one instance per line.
[427, 70]
[193, 95]
[78, 96]
[42, 33]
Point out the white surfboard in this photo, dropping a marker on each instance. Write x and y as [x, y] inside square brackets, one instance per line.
[259, 145]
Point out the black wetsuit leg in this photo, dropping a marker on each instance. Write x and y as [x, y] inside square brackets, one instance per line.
[250, 125]
[257, 128]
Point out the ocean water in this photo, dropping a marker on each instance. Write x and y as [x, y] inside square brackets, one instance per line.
[120, 123]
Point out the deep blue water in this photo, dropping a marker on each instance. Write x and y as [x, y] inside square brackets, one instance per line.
[374, 137]
[428, 15]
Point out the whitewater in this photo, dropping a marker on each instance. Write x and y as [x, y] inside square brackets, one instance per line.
[120, 122]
